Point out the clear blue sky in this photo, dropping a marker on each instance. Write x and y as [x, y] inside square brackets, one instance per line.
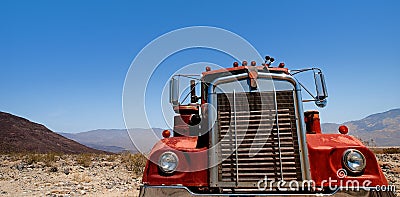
[63, 63]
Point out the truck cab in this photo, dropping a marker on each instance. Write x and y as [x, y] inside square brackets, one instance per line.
[247, 134]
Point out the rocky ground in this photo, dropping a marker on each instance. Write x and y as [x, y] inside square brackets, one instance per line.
[69, 175]
[98, 175]
[390, 165]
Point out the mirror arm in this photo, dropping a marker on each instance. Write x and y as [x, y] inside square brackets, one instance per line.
[187, 95]
[189, 76]
[307, 91]
[308, 100]
[294, 72]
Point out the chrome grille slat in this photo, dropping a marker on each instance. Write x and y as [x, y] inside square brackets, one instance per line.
[279, 138]
[236, 145]
[287, 164]
[254, 111]
[257, 126]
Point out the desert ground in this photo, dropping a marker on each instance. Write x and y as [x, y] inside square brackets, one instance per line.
[98, 175]
[390, 165]
[70, 175]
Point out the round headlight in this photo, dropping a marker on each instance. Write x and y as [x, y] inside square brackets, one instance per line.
[168, 162]
[354, 160]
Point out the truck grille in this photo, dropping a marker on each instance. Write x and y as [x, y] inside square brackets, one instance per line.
[266, 139]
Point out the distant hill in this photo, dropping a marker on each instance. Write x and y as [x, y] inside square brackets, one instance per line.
[21, 135]
[117, 140]
[380, 129]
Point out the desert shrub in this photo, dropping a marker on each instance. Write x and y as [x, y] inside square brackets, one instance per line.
[47, 158]
[32, 158]
[367, 142]
[391, 150]
[84, 159]
[17, 156]
[134, 162]
[95, 157]
[111, 157]
[376, 150]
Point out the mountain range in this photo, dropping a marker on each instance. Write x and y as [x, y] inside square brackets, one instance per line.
[380, 129]
[118, 140]
[21, 135]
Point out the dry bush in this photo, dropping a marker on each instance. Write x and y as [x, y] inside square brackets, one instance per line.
[134, 162]
[47, 158]
[16, 156]
[376, 150]
[111, 157]
[32, 158]
[391, 150]
[84, 159]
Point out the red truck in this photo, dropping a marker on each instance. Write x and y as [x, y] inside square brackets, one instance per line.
[246, 135]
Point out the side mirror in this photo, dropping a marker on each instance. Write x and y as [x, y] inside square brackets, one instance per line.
[173, 91]
[322, 92]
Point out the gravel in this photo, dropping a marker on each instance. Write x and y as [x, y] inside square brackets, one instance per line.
[390, 165]
[66, 177]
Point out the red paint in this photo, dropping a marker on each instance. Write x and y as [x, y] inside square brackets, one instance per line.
[189, 156]
[186, 109]
[325, 155]
[181, 126]
[313, 125]
[181, 122]
[343, 129]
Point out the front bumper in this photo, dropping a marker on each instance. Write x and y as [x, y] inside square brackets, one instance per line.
[181, 191]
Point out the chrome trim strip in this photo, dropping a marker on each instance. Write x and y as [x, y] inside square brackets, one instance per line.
[301, 127]
[236, 144]
[180, 191]
[214, 152]
[279, 137]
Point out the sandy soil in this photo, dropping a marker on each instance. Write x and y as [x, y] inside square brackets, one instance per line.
[66, 177]
[390, 165]
[102, 176]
